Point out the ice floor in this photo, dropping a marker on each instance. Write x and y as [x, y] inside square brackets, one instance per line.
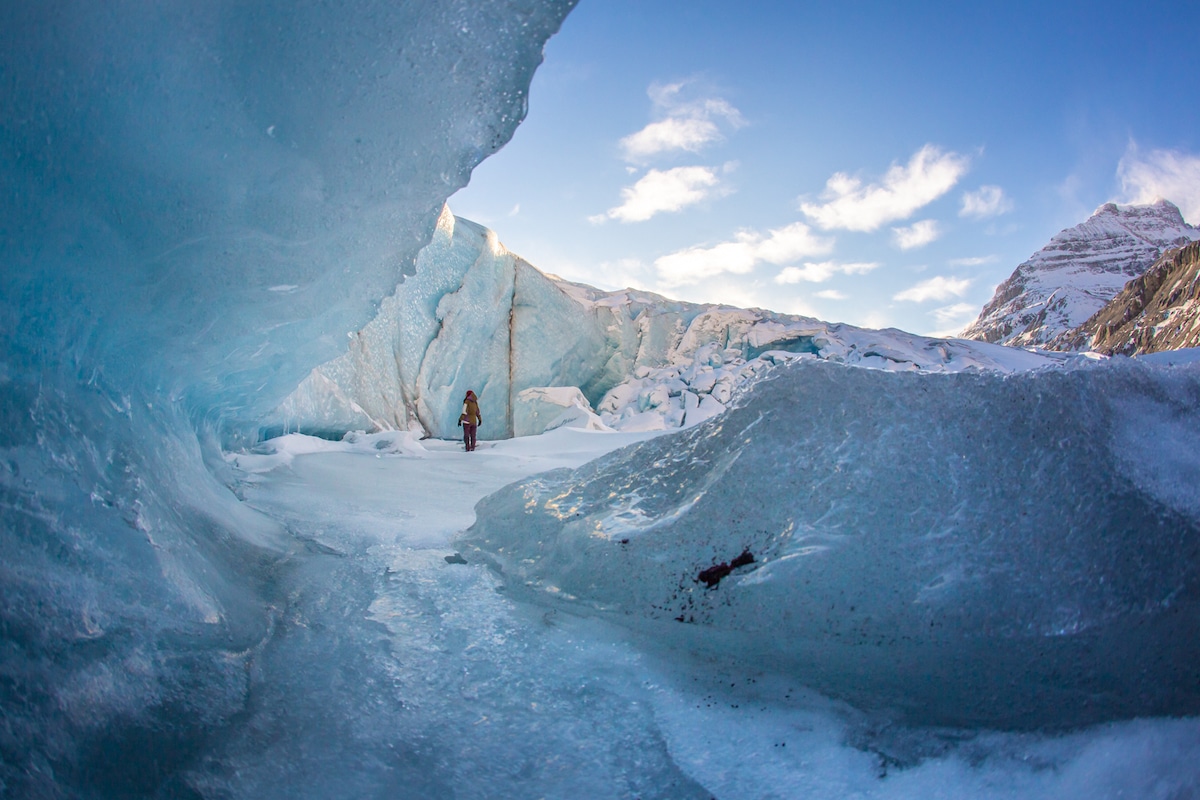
[395, 672]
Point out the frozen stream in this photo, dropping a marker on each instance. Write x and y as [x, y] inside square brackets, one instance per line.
[393, 672]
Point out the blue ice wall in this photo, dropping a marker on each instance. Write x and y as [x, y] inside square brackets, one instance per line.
[207, 197]
[953, 549]
[199, 201]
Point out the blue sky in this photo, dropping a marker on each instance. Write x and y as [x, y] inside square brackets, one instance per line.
[881, 164]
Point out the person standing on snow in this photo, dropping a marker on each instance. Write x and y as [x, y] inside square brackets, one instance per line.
[470, 419]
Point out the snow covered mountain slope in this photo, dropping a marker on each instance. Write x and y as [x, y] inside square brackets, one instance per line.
[1080, 270]
[475, 316]
[1157, 311]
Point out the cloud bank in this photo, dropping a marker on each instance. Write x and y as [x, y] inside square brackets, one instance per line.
[822, 271]
[936, 288]
[916, 235]
[688, 125]
[986, 201]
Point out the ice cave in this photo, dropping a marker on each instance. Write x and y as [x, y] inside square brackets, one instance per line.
[704, 553]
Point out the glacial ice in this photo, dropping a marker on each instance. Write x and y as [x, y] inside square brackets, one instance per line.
[399, 669]
[962, 549]
[206, 201]
[476, 316]
[200, 201]
[541, 409]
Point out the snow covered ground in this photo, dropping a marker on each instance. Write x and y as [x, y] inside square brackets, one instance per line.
[396, 670]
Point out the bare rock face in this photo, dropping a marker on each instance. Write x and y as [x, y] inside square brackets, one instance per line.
[1077, 273]
[1157, 311]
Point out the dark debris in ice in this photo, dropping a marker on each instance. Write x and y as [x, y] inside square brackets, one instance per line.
[712, 576]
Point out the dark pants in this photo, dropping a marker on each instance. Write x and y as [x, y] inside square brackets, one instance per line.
[469, 435]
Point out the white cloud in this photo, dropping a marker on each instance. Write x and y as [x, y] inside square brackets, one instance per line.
[659, 191]
[688, 125]
[956, 316]
[936, 288]
[1162, 174]
[916, 235]
[851, 205]
[831, 294]
[952, 319]
[875, 318]
[674, 133]
[747, 250]
[618, 274]
[987, 201]
[822, 271]
[973, 261]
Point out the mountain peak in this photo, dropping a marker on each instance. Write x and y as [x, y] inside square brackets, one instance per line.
[1152, 221]
[1081, 269]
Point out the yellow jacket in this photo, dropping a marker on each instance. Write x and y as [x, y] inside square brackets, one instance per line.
[470, 413]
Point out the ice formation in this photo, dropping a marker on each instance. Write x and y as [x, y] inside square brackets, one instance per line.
[205, 201]
[476, 316]
[201, 200]
[963, 549]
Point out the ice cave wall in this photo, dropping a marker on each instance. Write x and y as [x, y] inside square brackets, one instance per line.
[204, 198]
[200, 200]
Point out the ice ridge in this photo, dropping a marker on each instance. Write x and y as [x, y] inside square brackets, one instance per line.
[963, 549]
[476, 316]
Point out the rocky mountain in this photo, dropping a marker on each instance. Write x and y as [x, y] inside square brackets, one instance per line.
[1157, 311]
[1082, 268]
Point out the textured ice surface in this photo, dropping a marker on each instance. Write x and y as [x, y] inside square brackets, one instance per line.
[398, 670]
[477, 317]
[205, 199]
[200, 201]
[539, 409]
[963, 549]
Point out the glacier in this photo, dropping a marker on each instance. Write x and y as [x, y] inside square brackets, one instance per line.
[201, 201]
[207, 202]
[967, 549]
[477, 316]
